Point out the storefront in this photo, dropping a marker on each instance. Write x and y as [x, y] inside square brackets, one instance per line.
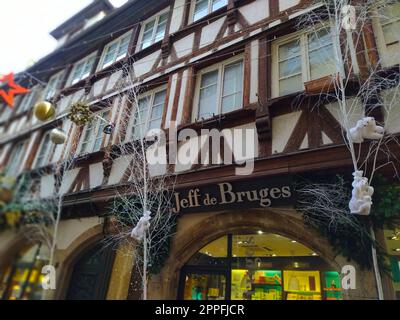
[21, 280]
[258, 266]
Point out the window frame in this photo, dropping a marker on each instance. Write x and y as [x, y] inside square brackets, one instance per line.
[12, 161]
[58, 77]
[99, 126]
[117, 41]
[28, 100]
[302, 35]
[209, 10]
[220, 85]
[151, 93]
[45, 159]
[85, 60]
[386, 59]
[143, 24]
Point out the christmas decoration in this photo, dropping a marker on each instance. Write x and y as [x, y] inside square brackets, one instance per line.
[366, 128]
[57, 136]
[361, 200]
[80, 114]
[109, 128]
[142, 227]
[44, 111]
[13, 89]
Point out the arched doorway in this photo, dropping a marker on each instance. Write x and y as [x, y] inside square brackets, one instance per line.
[258, 266]
[91, 275]
[22, 279]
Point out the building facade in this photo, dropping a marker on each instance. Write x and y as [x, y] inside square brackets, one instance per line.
[199, 64]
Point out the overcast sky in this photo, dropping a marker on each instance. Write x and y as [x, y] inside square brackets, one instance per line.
[25, 26]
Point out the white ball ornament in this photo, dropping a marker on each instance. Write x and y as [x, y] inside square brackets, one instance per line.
[57, 136]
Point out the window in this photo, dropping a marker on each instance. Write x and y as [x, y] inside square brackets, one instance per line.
[15, 160]
[45, 152]
[148, 113]
[261, 266]
[92, 135]
[205, 7]
[82, 69]
[386, 27]
[153, 30]
[52, 86]
[302, 58]
[219, 89]
[22, 279]
[115, 51]
[28, 101]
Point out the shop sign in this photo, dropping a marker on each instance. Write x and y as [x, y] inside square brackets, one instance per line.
[256, 193]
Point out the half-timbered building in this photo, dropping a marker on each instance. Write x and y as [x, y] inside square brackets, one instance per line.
[199, 64]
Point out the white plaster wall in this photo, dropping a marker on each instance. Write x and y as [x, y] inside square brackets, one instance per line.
[114, 78]
[171, 100]
[98, 87]
[144, 65]
[326, 139]
[96, 174]
[354, 111]
[391, 110]
[209, 32]
[282, 128]
[255, 11]
[70, 230]
[118, 168]
[246, 138]
[177, 16]
[68, 179]
[187, 149]
[286, 4]
[157, 160]
[47, 186]
[182, 95]
[254, 71]
[184, 46]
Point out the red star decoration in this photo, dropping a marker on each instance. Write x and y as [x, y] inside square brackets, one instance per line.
[12, 90]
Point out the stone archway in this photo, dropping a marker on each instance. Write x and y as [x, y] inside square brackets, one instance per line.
[193, 234]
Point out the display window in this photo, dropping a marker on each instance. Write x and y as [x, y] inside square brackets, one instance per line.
[392, 244]
[258, 266]
[22, 280]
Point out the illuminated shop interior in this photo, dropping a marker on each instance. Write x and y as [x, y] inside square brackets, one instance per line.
[258, 266]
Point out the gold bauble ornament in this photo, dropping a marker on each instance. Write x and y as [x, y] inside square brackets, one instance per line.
[58, 136]
[44, 111]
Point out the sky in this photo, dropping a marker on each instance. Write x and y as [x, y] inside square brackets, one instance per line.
[26, 25]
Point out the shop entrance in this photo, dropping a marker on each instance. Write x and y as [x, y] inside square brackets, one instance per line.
[258, 266]
[91, 274]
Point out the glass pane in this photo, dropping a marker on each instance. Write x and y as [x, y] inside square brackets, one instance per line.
[267, 245]
[290, 67]
[141, 112]
[123, 49]
[160, 32]
[146, 41]
[319, 39]
[289, 50]
[256, 284]
[391, 33]
[322, 62]
[290, 85]
[302, 285]
[204, 287]
[200, 10]
[390, 12]
[233, 87]
[217, 4]
[214, 254]
[208, 94]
